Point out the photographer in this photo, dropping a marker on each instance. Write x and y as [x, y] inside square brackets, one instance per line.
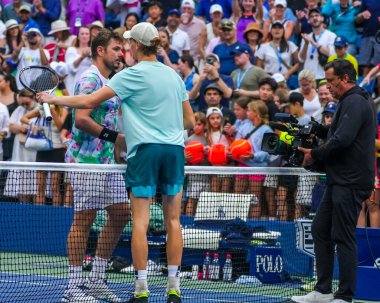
[348, 155]
[31, 52]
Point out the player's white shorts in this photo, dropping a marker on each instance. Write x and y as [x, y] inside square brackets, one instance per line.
[94, 190]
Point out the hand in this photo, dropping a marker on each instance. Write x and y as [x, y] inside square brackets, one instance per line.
[246, 158]
[211, 70]
[300, 14]
[356, 3]
[241, 92]
[306, 38]
[120, 142]
[366, 80]
[44, 97]
[203, 76]
[229, 129]
[86, 52]
[187, 156]
[61, 44]
[307, 160]
[24, 128]
[2, 134]
[366, 15]
[37, 4]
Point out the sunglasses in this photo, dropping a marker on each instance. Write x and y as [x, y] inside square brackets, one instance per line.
[226, 29]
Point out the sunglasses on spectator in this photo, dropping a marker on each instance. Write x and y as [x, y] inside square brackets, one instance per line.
[223, 29]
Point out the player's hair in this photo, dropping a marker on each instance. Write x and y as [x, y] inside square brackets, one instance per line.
[103, 39]
[152, 49]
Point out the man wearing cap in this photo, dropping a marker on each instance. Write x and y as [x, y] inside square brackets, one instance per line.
[223, 50]
[30, 53]
[155, 154]
[341, 47]
[211, 30]
[46, 12]
[328, 113]
[25, 18]
[247, 76]
[95, 27]
[155, 14]
[320, 42]
[211, 74]
[192, 26]
[213, 96]
[203, 8]
[11, 10]
[180, 40]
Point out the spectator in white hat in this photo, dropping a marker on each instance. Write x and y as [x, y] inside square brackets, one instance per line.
[12, 37]
[204, 6]
[211, 30]
[61, 33]
[95, 27]
[31, 53]
[192, 26]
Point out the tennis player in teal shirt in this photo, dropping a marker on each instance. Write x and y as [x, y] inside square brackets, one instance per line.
[155, 110]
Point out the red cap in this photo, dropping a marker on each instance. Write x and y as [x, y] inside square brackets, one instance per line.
[216, 255]
[228, 256]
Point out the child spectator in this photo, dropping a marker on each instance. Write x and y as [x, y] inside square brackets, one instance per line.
[267, 87]
[197, 183]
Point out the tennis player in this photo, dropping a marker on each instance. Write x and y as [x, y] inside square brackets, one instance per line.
[155, 110]
[97, 190]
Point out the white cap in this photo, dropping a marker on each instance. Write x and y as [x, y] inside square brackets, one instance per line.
[278, 77]
[283, 3]
[96, 23]
[188, 3]
[11, 23]
[34, 29]
[143, 32]
[213, 110]
[216, 8]
[60, 68]
[25, 7]
[58, 26]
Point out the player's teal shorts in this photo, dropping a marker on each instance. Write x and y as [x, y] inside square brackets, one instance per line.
[156, 165]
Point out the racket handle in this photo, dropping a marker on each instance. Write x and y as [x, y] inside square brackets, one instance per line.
[47, 111]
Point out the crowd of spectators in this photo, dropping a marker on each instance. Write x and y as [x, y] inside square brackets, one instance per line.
[242, 61]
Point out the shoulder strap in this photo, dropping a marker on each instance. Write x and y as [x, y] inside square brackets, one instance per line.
[247, 136]
[275, 51]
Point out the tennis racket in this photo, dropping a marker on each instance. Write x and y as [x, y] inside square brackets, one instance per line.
[38, 79]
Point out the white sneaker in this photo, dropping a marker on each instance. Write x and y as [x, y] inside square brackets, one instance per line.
[313, 297]
[100, 290]
[77, 295]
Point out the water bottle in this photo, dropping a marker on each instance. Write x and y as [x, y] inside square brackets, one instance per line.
[215, 268]
[206, 267]
[227, 269]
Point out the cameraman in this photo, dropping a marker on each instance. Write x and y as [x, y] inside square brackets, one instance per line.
[349, 156]
[30, 53]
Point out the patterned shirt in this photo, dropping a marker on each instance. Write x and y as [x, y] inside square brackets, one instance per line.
[84, 148]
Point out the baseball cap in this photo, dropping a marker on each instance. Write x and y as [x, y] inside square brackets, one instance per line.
[60, 68]
[213, 85]
[240, 49]
[143, 32]
[340, 42]
[174, 11]
[213, 110]
[96, 23]
[227, 24]
[216, 8]
[277, 23]
[35, 30]
[330, 108]
[25, 7]
[215, 56]
[278, 77]
[188, 3]
[315, 10]
[283, 3]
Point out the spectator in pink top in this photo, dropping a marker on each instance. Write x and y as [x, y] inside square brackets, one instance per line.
[83, 12]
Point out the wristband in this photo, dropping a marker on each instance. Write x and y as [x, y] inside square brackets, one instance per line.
[108, 135]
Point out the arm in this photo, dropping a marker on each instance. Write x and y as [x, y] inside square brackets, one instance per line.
[213, 72]
[236, 12]
[304, 47]
[85, 123]
[59, 119]
[193, 94]
[79, 101]
[44, 59]
[52, 12]
[371, 73]
[202, 43]
[32, 114]
[188, 115]
[295, 67]
[259, 62]
[289, 30]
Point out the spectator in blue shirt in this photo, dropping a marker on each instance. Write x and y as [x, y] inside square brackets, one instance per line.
[45, 12]
[25, 20]
[203, 9]
[223, 50]
[11, 10]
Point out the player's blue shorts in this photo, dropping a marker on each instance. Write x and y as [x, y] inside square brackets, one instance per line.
[156, 165]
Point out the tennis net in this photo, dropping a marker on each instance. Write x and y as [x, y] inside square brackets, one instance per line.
[260, 217]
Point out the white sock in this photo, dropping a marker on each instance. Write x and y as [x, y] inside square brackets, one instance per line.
[173, 278]
[75, 276]
[98, 269]
[141, 282]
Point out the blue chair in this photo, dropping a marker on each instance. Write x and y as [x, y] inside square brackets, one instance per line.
[370, 87]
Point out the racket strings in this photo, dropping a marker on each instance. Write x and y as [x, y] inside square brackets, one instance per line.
[39, 80]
